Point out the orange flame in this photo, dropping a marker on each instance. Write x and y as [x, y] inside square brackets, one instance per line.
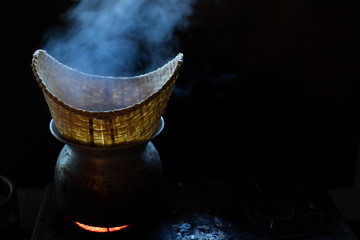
[100, 229]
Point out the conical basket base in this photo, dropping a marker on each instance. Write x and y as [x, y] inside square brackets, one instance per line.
[104, 111]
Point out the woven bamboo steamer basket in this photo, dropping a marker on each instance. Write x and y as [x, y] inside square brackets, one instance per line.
[103, 111]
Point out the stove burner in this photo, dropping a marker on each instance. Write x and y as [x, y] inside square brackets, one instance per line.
[100, 229]
[278, 210]
[280, 218]
[274, 209]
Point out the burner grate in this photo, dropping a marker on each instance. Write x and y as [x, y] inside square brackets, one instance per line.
[53, 225]
[280, 218]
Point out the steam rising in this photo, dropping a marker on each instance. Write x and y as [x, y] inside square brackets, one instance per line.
[118, 37]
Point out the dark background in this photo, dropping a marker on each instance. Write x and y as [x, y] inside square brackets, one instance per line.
[267, 89]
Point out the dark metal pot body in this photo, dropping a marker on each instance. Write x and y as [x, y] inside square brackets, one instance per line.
[107, 186]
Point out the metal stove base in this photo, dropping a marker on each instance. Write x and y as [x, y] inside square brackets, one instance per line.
[188, 215]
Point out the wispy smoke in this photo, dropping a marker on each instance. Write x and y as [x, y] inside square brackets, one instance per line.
[118, 37]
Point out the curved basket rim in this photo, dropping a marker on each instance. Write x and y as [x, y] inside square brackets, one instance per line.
[107, 113]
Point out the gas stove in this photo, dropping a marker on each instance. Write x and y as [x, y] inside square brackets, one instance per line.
[238, 209]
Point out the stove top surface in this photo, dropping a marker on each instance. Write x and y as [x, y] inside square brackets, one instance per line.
[213, 210]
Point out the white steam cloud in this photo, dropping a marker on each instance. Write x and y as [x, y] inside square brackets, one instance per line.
[118, 37]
